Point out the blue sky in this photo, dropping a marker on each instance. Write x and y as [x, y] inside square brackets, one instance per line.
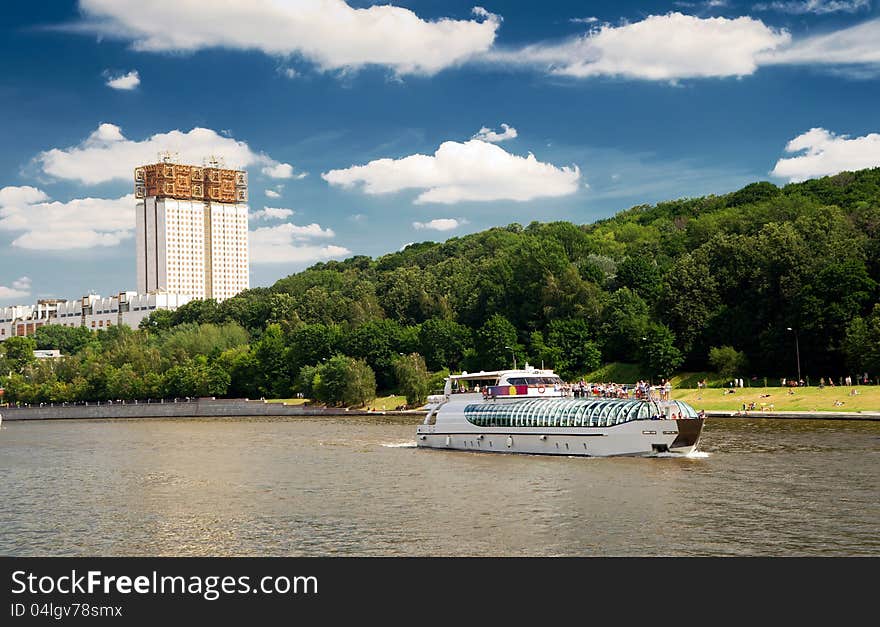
[620, 103]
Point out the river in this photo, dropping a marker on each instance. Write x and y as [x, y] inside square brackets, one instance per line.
[358, 486]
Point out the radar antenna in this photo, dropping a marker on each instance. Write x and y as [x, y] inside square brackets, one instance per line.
[214, 161]
[168, 156]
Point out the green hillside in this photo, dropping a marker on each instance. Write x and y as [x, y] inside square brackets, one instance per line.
[659, 286]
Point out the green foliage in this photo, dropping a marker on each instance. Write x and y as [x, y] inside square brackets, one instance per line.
[658, 352]
[19, 352]
[69, 340]
[444, 343]
[686, 275]
[343, 380]
[727, 361]
[412, 379]
[497, 345]
[570, 342]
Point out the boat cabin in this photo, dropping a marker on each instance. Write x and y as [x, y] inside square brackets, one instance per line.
[526, 382]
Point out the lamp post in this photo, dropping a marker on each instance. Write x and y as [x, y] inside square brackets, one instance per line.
[797, 349]
[513, 353]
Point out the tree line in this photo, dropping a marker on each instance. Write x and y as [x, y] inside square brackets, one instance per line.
[688, 284]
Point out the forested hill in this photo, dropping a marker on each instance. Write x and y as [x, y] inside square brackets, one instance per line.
[735, 270]
[662, 285]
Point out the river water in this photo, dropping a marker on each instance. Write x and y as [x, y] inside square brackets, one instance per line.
[358, 486]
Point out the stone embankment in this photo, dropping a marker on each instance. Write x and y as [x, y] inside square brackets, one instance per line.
[802, 415]
[195, 408]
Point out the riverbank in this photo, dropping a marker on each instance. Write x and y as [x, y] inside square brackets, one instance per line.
[836, 400]
[196, 408]
[237, 408]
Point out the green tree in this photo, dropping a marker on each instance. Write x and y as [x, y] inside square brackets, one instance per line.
[625, 321]
[727, 361]
[69, 340]
[20, 352]
[342, 380]
[412, 378]
[658, 353]
[443, 343]
[572, 343]
[272, 366]
[496, 344]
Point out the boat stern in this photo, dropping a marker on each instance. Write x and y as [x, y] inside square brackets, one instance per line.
[688, 438]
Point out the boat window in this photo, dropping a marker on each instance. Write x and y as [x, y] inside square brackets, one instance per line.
[566, 412]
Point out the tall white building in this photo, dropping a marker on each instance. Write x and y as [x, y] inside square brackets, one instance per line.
[192, 230]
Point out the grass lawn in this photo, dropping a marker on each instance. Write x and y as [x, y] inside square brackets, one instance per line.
[387, 402]
[381, 403]
[803, 399]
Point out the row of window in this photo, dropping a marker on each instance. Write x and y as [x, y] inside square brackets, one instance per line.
[567, 412]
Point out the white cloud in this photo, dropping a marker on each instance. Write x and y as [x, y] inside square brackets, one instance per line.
[660, 47]
[76, 224]
[271, 193]
[283, 171]
[856, 45]
[489, 135]
[107, 154]
[440, 224]
[290, 243]
[124, 82]
[329, 33]
[473, 170]
[21, 196]
[358, 218]
[271, 213]
[824, 153]
[817, 7]
[584, 20]
[21, 288]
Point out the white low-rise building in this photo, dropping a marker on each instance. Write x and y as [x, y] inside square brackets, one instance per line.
[91, 311]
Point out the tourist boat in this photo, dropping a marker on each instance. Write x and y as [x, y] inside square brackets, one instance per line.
[532, 411]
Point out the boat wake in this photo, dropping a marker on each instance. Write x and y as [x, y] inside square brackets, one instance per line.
[691, 455]
[410, 444]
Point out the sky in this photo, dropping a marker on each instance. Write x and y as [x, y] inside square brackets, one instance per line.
[365, 127]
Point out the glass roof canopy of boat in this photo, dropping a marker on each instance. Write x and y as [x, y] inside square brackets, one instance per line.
[567, 412]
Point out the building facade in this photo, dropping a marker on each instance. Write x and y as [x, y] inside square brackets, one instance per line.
[91, 311]
[191, 230]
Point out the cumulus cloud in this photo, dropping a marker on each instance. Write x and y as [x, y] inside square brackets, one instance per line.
[660, 47]
[271, 213]
[21, 288]
[474, 170]
[817, 7]
[271, 193]
[283, 171]
[107, 154]
[75, 224]
[824, 153]
[125, 82]
[440, 224]
[856, 45]
[24, 195]
[489, 135]
[291, 243]
[329, 33]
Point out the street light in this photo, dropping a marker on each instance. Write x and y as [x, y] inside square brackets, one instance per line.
[512, 352]
[797, 349]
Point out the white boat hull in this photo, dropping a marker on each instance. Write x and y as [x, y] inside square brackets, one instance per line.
[636, 438]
